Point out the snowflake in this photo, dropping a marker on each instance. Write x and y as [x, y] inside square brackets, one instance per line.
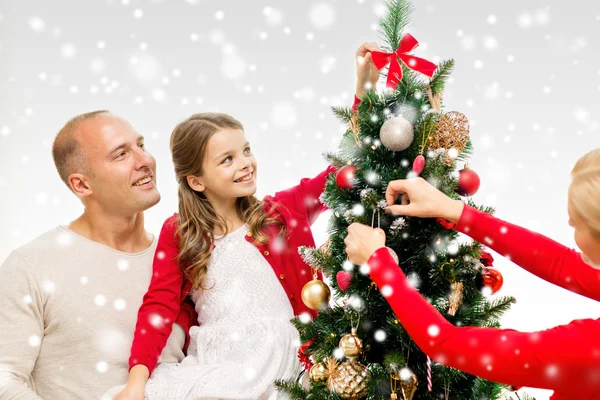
[34, 341]
[356, 302]
[305, 318]
[283, 115]
[100, 300]
[68, 50]
[387, 291]
[327, 64]
[490, 42]
[380, 335]
[322, 15]
[37, 24]
[358, 210]
[101, 366]
[273, 16]
[433, 330]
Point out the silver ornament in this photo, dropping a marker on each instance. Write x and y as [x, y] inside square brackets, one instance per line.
[396, 134]
[394, 255]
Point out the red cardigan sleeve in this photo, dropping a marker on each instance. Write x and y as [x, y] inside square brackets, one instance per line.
[305, 196]
[565, 358]
[536, 253]
[161, 304]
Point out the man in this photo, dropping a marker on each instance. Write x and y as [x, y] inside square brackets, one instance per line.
[69, 298]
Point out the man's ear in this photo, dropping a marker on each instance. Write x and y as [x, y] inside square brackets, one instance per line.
[195, 183]
[80, 185]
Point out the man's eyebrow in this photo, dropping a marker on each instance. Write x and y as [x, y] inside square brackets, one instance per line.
[124, 145]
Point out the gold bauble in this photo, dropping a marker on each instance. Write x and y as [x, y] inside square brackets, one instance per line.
[408, 383]
[316, 294]
[352, 381]
[318, 373]
[351, 345]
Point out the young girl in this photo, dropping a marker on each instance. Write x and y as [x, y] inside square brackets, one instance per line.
[565, 358]
[238, 258]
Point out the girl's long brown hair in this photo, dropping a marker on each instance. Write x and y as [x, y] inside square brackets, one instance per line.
[197, 217]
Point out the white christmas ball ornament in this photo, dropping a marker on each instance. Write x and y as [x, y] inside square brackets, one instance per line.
[396, 134]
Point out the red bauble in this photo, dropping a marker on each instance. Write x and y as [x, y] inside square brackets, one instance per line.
[491, 278]
[468, 182]
[445, 223]
[345, 177]
[418, 164]
[486, 258]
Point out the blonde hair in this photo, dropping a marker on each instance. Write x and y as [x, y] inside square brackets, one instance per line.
[584, 191]
[67, 153]
[197, 218]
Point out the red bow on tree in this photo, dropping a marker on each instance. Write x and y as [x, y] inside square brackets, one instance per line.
[304, 356]
[407, 44]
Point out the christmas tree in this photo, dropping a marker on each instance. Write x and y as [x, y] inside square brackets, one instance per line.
[358, 349]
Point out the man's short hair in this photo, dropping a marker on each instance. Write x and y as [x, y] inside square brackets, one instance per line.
[67, 152]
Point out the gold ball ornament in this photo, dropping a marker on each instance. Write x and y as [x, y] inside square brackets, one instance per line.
[318, 373]
[352, 380]
[351, 345]
[316, 294]
[408, 383]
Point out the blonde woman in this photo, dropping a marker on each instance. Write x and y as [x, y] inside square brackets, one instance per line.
[565, 358]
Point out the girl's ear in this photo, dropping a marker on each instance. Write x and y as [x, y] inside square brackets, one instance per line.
[195, 183]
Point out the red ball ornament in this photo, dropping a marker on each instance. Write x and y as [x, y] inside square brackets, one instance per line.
[418, 164]
[345, 177]
[468, 182]
[492, 278]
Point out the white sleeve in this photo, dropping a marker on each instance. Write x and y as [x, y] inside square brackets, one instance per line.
[173, 351]
[21, 328]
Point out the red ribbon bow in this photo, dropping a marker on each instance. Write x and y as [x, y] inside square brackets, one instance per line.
[407, 44]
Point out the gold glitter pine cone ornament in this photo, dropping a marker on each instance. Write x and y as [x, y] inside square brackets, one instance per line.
[452, 132]
[352, 380]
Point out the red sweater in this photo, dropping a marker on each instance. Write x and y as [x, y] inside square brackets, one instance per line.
[565, 358]
[297, 208]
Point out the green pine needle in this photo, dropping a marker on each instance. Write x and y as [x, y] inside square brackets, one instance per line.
[443, 72]
[395, 22]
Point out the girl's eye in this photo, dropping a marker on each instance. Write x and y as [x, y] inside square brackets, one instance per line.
[227, 159]
[247, 150]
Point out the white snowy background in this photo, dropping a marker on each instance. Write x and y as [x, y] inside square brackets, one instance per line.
[527, 76]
